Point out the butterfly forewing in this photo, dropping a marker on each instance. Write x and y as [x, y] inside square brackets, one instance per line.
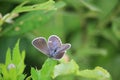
[54, 42]
[41, 44]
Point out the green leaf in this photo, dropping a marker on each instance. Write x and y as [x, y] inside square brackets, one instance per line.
[21, 8]
[13, 67]
[66, 68]
[8, 57]
[35, 74]
[21, 77]
[44, 6]
[47, 69]
[28, 22]
[21, 64]
[20, 1]
[46, 72]
[40, 18]
[60, 4]
[16, 57]
[98, 73]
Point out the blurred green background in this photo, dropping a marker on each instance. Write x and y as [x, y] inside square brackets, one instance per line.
[91, 26]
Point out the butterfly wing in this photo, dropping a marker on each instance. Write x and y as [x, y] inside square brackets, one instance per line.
[58, 56]
[63, 48]
[54, 42]
[60, 51]
[41, 44]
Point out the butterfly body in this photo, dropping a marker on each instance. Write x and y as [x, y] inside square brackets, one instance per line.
[53, 48]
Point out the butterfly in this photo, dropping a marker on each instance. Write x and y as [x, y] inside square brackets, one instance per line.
[53, 48]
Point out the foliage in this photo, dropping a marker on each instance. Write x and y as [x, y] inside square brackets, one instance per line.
[14, 65]
[92, 28]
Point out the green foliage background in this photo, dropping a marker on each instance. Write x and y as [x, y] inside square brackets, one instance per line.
[91, 26]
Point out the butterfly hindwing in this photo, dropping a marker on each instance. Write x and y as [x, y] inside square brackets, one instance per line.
[63, 48]
[61, 51]
[60, 55]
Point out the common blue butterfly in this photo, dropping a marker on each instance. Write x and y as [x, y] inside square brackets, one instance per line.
[53, 48]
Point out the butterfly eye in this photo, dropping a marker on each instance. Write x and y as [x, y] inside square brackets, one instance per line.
[55, 50]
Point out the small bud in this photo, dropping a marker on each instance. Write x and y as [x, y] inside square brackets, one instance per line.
[11, 66]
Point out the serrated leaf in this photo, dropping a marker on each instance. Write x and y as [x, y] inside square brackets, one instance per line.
[8, 57]
[12, 74]
[16, 57]
[21, 77]
[46, 72]
[35, 74]
[98, 73]
[4, 70]
[47, 69]
[13, 67]
[21, 64]
[66, 68]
